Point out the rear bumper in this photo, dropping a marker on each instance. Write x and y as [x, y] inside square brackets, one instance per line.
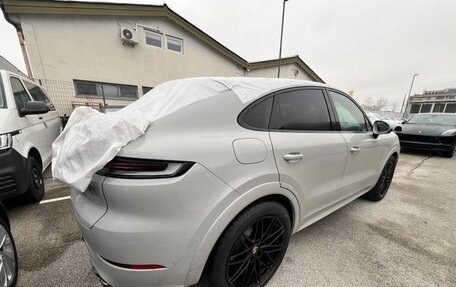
[150, 221]
[424, 146]
[13, 174]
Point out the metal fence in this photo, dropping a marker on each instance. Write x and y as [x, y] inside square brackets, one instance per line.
[63, 95]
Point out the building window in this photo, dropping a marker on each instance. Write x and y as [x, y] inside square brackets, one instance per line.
[153, 38]
[438, 108]
[105, 90]
[426, 108]
[415, 109]
[450, 108]
[174, 44]
[145, 89]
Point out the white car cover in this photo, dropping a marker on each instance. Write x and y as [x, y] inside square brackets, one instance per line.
[91, 139]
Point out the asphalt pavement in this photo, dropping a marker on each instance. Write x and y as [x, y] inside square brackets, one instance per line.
[408, 239]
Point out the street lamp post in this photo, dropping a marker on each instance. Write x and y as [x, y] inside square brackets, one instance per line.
[405, 97]
[281, 37]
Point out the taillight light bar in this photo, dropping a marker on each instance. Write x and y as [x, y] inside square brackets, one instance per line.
[125, 167]
[136, 266]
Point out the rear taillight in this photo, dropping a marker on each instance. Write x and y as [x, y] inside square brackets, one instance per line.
[124, 167]
[136, 266]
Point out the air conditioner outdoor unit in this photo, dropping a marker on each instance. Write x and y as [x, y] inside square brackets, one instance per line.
[128, 35]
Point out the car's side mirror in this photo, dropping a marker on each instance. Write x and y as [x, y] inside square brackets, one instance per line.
[34, 108]
[404, 121]
[381, 128]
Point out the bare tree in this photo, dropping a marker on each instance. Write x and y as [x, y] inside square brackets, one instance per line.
[368, 104]
[380, 104]
[395, 106]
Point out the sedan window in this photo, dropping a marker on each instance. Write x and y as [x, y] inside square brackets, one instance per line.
[351, 118]
[304, 110]
[257, 116]
[433, 119]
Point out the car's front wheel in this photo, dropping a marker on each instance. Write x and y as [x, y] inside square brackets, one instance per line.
[36, 183]
[251, 248]
[8, 256]
[384, 181]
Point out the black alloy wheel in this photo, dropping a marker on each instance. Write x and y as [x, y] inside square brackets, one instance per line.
[255, 253]
[386, 177]
[252, 247]
[36, 185]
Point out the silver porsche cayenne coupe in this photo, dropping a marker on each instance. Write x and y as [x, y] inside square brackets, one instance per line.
[212, 192]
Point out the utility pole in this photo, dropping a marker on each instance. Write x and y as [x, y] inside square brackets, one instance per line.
[410, 91]
[281, 38]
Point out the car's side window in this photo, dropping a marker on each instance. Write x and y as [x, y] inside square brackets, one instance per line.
[350, 117]
[258, 115]
[20, 94]
[38, 95]
[303, 110]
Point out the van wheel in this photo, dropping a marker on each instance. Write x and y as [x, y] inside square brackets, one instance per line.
[251, 248]
[8, 256]
[36, 183]
[381, 187]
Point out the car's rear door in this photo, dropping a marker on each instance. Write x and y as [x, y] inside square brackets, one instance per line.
[364, 150]
[310, 154]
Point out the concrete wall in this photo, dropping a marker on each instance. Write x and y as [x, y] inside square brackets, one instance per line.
[89, 48]
[63, 48]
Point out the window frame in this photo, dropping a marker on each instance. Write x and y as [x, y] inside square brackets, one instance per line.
[146, 31]
[369, 124]
[175, 38]
[118, 86]
[241, 122]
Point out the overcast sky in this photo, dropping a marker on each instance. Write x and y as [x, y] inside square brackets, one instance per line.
[371, 47]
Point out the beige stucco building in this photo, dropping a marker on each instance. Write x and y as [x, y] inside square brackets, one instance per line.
[81, 54]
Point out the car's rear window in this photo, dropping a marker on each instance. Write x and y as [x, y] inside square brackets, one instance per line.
[2, 95]
[433, 119]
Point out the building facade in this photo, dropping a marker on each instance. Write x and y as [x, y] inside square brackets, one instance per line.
[98, 53]
[436, 101]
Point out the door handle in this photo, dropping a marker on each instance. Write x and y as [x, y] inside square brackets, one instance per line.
[293, 156]
[355, 150]
[40, 118]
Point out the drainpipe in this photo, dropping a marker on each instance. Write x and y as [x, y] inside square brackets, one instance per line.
[20, 35]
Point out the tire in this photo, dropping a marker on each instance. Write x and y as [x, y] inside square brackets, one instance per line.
[35, 191]
[251, 248]
[8, 256]
[381, 187]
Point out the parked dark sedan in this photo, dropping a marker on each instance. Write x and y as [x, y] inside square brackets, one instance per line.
[429, 132]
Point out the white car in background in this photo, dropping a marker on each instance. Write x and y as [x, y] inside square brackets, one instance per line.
[29, 125]
[213, 191]
[391, 122]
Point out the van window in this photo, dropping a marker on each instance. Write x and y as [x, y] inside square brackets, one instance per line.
[2, 95]
[20, 94]
[38, 95]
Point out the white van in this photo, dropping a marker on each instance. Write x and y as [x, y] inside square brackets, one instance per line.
[29, 124]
